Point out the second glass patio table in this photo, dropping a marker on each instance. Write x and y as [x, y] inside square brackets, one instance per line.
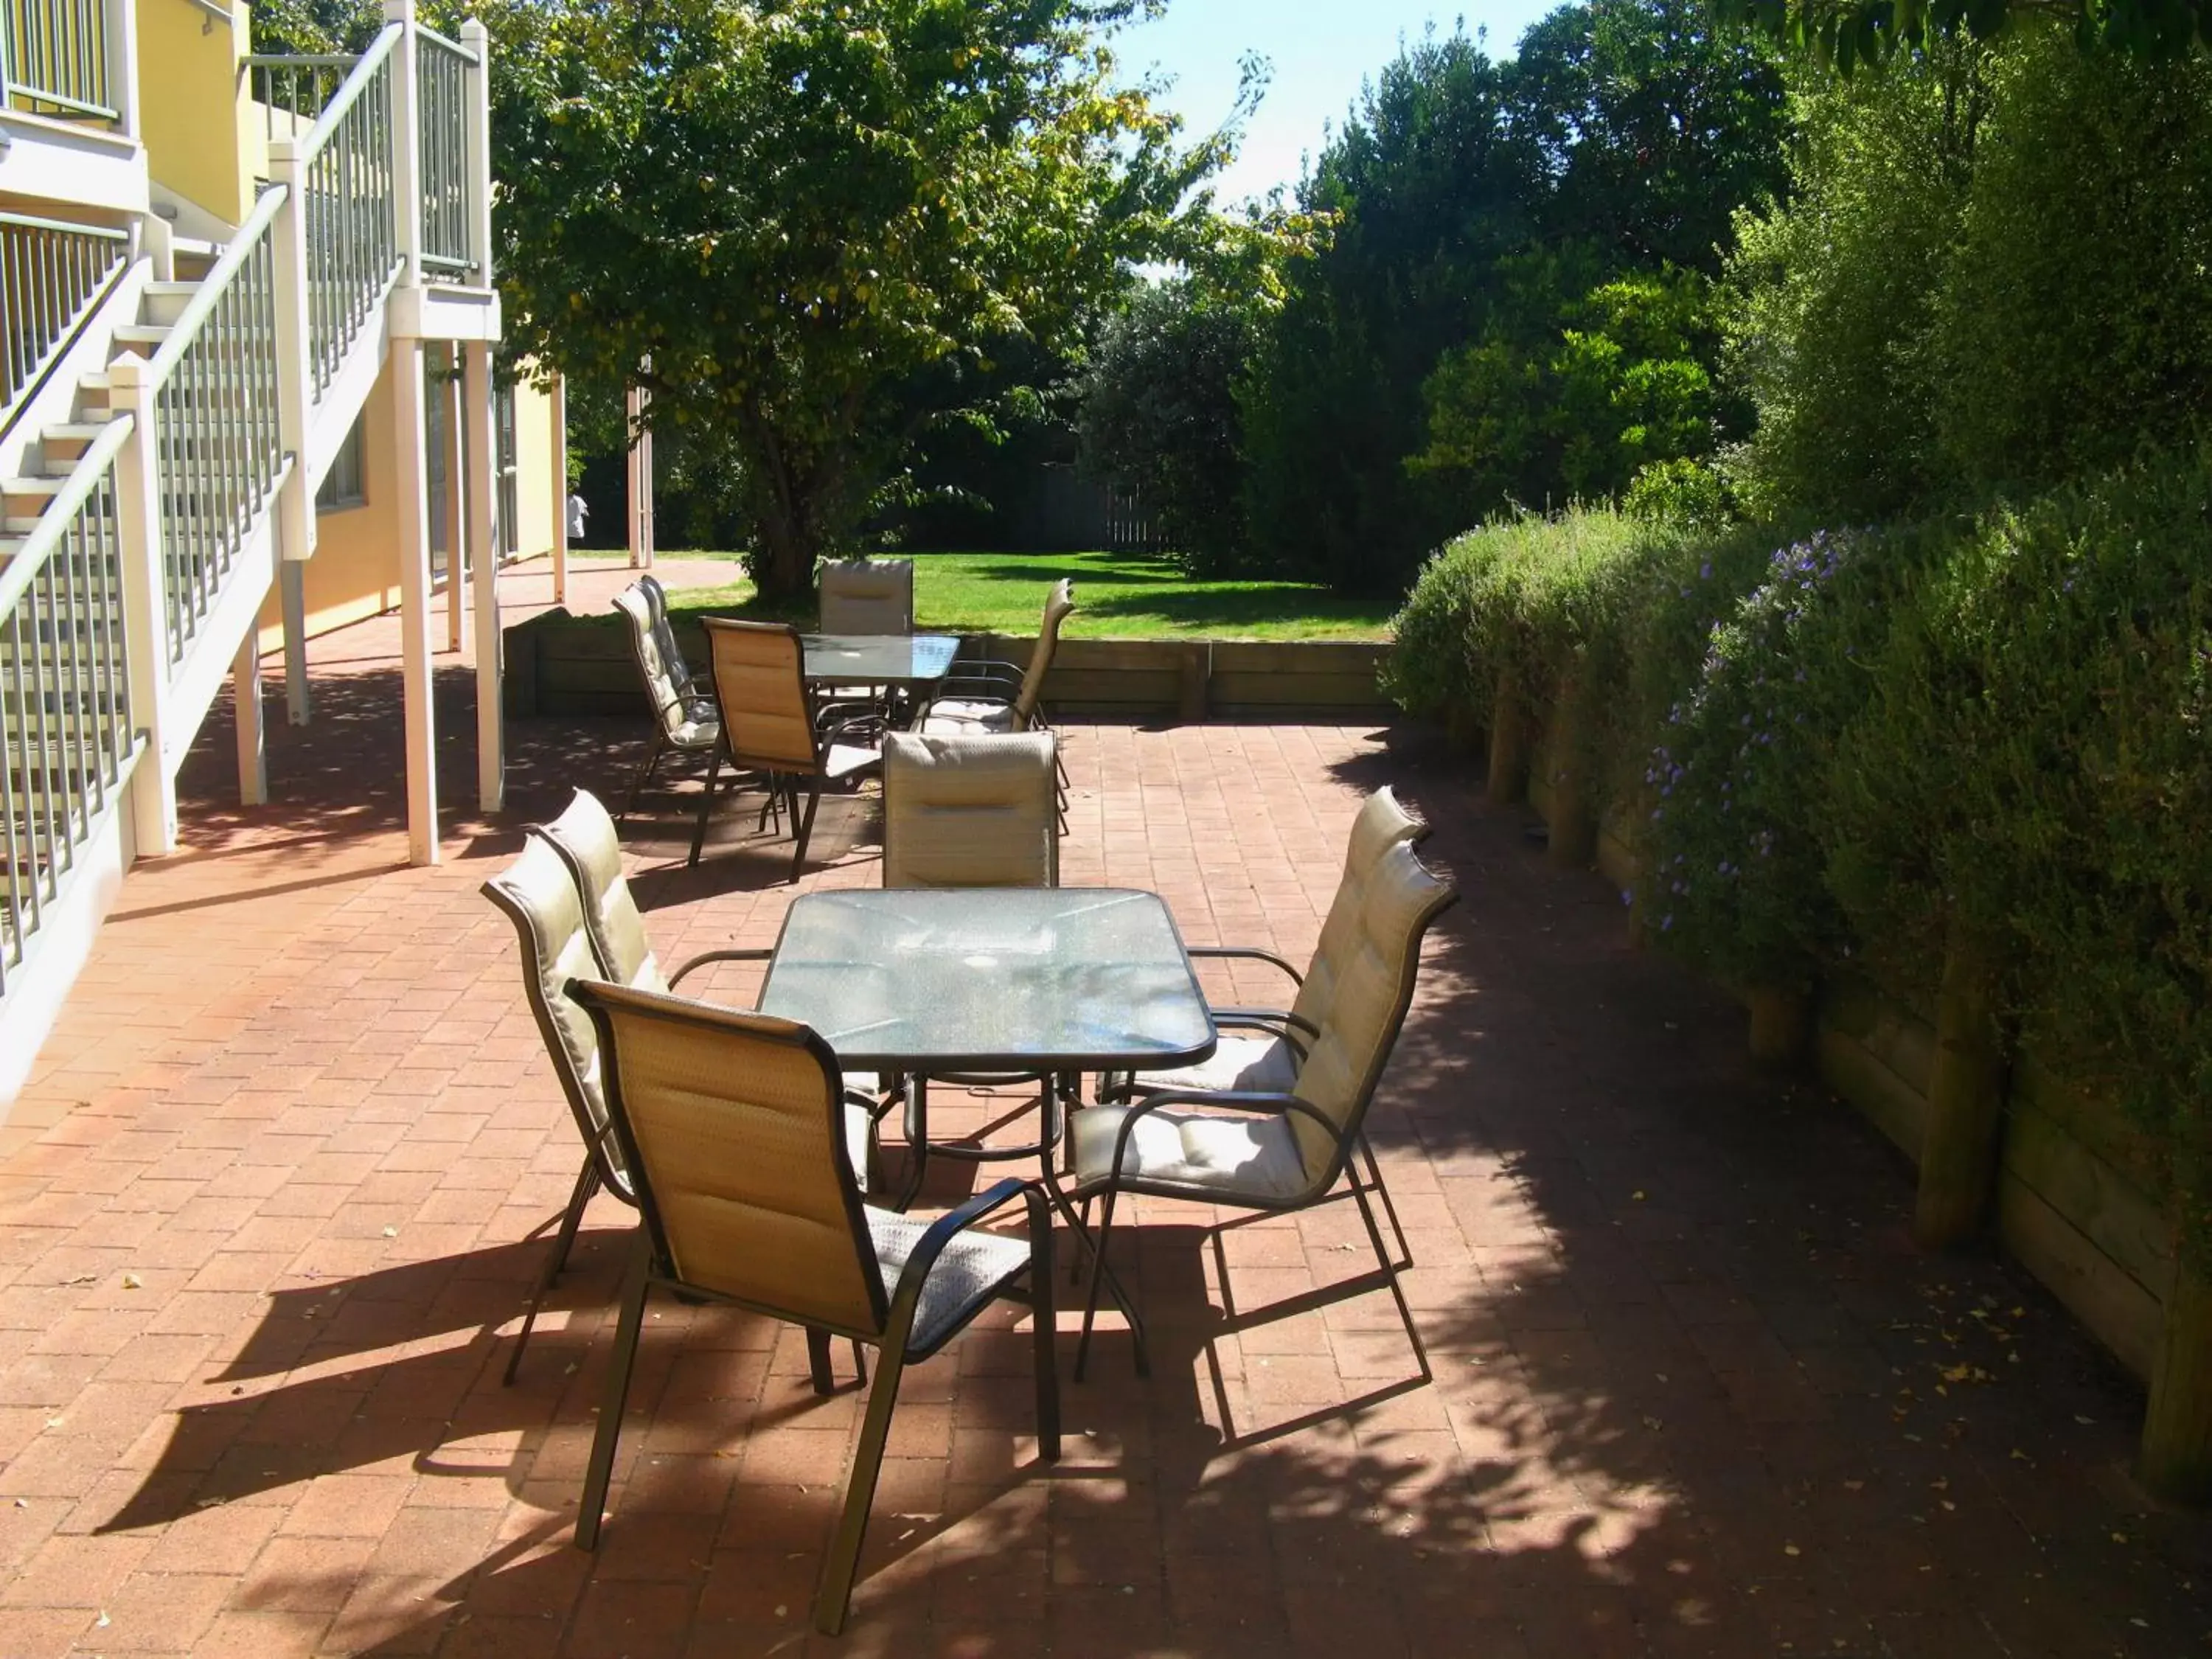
[879, 659]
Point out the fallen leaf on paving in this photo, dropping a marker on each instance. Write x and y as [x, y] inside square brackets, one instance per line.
[132, 1282]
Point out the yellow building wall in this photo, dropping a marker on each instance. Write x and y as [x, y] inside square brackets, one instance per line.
[199, 129]
[355, 571]
[533, 483]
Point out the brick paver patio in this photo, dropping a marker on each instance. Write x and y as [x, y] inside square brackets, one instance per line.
[269, 1208]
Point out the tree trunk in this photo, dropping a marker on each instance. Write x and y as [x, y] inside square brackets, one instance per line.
[1509, 742]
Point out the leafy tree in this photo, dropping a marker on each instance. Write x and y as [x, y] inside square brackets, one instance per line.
[1431, 184]
[1159, 414]
[819, 222]
[1848, 33]
[1621, 386]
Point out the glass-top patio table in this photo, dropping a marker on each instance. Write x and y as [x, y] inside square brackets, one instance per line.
[951, 983]
[880, 659]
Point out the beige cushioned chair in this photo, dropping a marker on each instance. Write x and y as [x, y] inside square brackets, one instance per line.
[1280, 1149]
[970, 811]
[730, 1121]
[867, 596]
[996, 696]
[684, 718]
[575, 919]
[771, 725]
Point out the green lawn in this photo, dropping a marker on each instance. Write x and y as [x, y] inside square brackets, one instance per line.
[1116, 598]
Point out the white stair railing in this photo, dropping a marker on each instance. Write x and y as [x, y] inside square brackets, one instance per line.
[218, 453]
[52, 275]
[444, 70]
[345, 166]
[65, 726]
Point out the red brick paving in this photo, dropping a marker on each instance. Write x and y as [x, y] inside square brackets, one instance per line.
[269, 1208]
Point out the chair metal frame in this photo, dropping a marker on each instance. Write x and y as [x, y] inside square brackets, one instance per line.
[651, 1268]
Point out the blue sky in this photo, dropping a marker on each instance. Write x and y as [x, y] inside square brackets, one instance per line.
[1320, 50]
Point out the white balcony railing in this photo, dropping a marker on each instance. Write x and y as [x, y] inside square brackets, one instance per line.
[55, 58]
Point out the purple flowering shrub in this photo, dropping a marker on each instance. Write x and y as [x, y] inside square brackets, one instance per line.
[1737, 779]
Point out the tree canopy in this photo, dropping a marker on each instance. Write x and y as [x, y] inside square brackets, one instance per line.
[811, 227]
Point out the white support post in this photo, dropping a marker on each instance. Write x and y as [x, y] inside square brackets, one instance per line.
[119, 27]
[145, 605]
[410, 442]
[252, 740]
[406, 145]
[559, 400]
[634, 458]
[292, 599]
[295, 390]
[484, 552]
[646, 528]
[476, 121]
[453, 460]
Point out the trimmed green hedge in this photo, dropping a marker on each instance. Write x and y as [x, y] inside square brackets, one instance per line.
[1842, 745]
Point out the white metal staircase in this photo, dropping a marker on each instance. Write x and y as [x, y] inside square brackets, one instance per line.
[169, 414]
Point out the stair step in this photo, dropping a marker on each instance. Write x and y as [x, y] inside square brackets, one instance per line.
[62, 446]
[166, 301]
[149, 335]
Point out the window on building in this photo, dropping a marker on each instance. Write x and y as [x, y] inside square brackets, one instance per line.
[510, 500]
[342, 484]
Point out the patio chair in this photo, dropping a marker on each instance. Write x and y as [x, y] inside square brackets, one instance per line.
[1278, 1150]
[685, 717]
[1274, 1041]
[771, 725]
[999, 696]
[970, 810]
[730, 1122]
[867, 596]
[575, 918]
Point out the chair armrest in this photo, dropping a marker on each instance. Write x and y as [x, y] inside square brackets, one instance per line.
[1213, 952]
[702, 960]
[1283, 1016]
[1257, 1103]
[942, 1232]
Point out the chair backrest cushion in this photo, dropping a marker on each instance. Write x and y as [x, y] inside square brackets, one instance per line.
[867, 596]
[664, 631]
[540, 896]
[1374, 989]
[585, 837]
[652, 654]
[970, 811]
[734, 1125]
[1057, 605]
[766, 720]
[1380, 825]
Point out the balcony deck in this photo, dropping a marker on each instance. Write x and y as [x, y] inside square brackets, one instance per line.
[269, 1206]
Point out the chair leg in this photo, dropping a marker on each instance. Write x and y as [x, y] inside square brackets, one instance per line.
[660, 748]
[587, 1182]
[818, 1360]
[1375, 1180]
[1098, 1278]
[833, 1596]
[1045, 1345]
[917, 1140]
[1391, 1273]
[610, 1409]
[706, 805]
[806, 825]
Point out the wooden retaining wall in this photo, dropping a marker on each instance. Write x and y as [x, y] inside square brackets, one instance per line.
[557, 663]
[2077, 1192]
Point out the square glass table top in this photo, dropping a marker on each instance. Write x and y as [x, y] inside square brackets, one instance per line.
[991, 979]
[880, 659]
